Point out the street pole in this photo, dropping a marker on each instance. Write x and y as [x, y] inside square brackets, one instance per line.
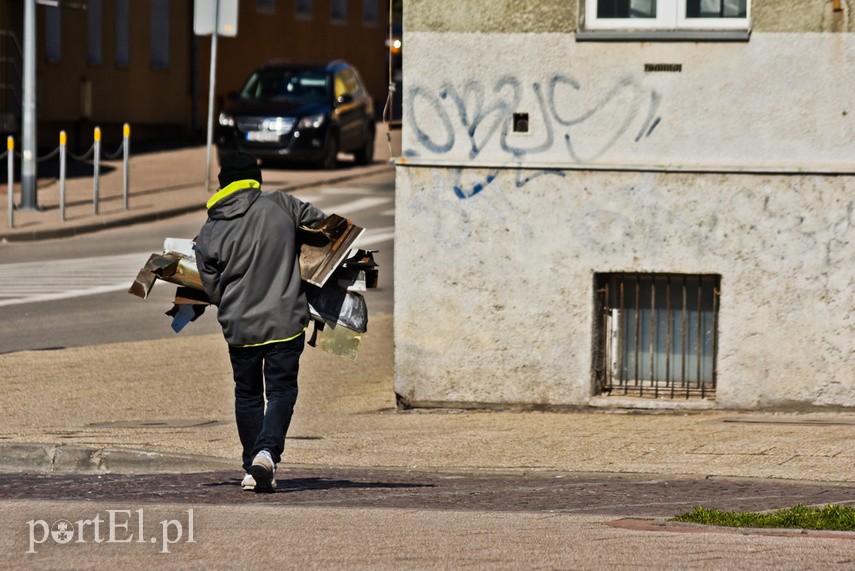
[211, 82]
[28, 134]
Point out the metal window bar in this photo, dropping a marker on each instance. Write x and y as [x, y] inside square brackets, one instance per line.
[683, 343]
[637, 340]
[653, 337]
[637, 326]
[699, 352]
[622, 347]
[716, 295]
[668, 382]
[604, 340]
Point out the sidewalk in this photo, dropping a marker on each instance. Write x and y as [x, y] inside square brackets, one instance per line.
[166, 405]
[162, 184]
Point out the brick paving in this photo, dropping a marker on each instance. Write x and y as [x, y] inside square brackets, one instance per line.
[584, 494]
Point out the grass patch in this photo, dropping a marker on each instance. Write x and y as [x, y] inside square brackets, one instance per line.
[831, 517]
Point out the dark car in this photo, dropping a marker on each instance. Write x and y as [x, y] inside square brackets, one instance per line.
[300, 112]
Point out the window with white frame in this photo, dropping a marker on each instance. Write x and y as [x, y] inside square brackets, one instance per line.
[667, 14]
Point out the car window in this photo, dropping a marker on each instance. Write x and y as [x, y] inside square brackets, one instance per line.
[340, 85]
[356, 83]
[347, 82]
[302, 85]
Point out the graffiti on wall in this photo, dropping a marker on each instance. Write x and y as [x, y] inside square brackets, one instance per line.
[476, 116]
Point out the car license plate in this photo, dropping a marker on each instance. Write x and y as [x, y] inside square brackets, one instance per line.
[262, 136]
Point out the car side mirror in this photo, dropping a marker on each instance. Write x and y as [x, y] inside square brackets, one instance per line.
[344, 99]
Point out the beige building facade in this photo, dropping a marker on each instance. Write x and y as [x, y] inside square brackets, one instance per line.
[646, 203]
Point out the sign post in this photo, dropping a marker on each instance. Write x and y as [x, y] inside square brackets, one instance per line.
[215, 18]
[29, 200]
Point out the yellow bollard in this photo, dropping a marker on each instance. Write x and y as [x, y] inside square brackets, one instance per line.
[62, 145]
[126, 146]
[10, 150]
[97, 168]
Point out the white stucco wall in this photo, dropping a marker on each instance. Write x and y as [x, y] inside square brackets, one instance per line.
[777, 101]
[494, 264]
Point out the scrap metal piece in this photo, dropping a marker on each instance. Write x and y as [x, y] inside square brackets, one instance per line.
[363, 260]
[190, 296]
[324, 247]
[186, 273]
[336, 339]
[358, 272]
[170, 267]
[156, 266]
[143, 282]
[338, 306]
[183, 246]
[183, 314]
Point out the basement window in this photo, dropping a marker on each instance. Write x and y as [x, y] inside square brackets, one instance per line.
[656, 335]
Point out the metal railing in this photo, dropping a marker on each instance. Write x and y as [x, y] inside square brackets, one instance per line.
[94, 153]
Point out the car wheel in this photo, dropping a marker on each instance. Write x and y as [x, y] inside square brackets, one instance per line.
[365, 155]
[330, 158]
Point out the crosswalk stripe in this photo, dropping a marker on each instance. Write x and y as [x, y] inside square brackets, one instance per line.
[66, 294]
[375, 236]
[32, 282]
[356, 205]
[348, 207]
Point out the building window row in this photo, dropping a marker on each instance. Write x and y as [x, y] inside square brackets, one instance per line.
[304, 10]
[159, 33]
[159, 52]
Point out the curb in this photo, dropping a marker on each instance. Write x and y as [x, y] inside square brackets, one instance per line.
[666, 525]
[66, 232]
[46, 458]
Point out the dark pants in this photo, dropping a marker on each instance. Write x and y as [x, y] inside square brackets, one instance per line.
[272, 367]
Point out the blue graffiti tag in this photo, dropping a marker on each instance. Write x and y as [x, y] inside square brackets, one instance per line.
[481, 115]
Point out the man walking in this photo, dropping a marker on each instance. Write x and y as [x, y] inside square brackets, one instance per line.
[248, 258]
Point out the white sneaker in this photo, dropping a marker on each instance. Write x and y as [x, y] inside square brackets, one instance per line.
[262, 471]
[248, 483]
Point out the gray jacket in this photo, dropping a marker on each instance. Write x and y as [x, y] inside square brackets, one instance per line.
[247, 255]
